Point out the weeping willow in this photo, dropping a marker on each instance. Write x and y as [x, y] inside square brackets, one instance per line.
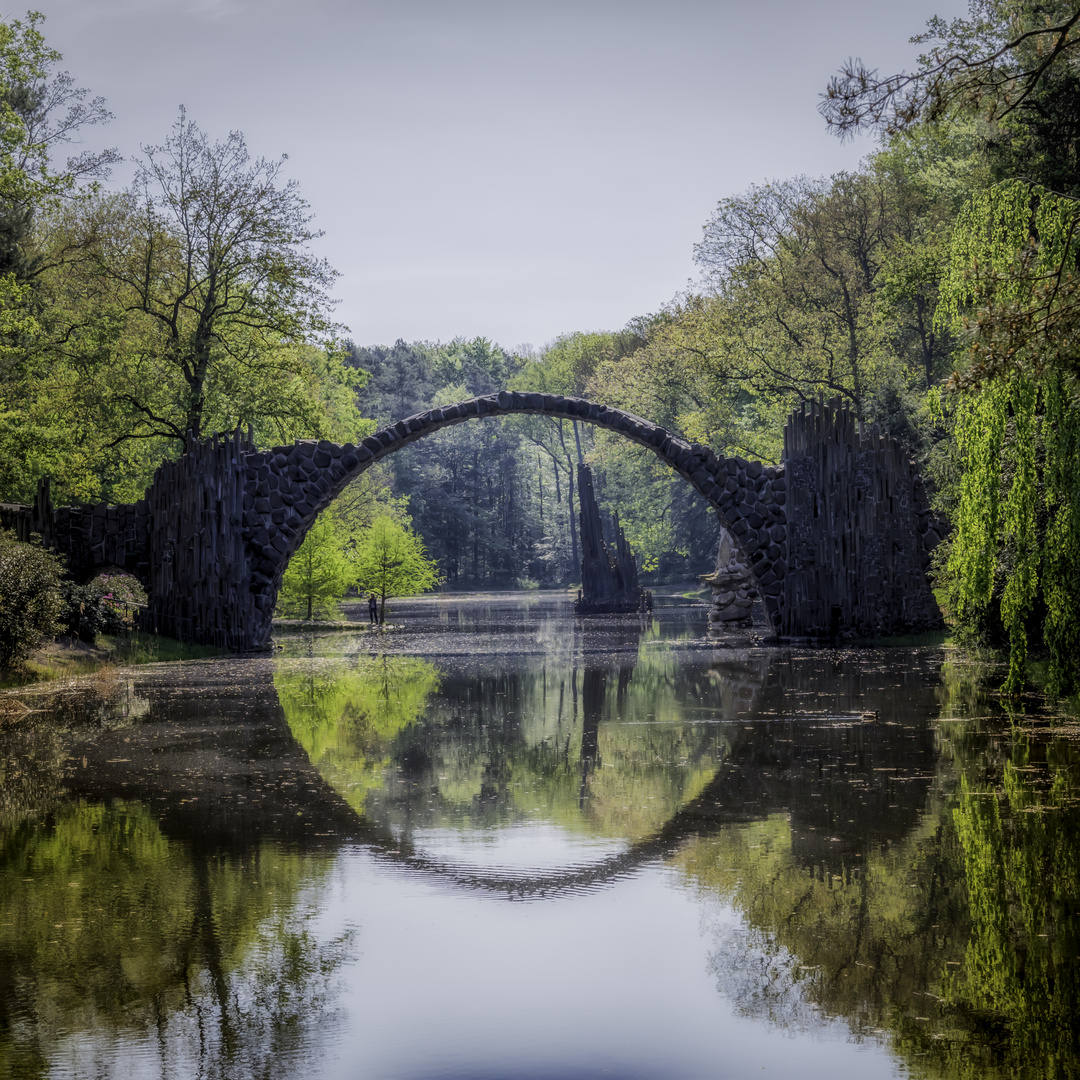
[1011, 291]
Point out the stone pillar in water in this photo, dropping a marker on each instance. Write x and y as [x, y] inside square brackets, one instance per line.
[608, 583]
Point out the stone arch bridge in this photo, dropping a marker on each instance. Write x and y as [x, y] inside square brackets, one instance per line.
[837, 536]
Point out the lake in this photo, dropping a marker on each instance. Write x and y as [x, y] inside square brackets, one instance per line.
[497, 841]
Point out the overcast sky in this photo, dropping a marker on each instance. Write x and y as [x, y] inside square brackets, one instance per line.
[511, 169]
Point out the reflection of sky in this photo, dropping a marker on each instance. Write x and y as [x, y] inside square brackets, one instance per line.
[538, 845]
[615, 983]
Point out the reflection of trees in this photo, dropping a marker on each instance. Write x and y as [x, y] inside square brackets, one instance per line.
[957, 937]
[107, 927]
[346, 714]
[605, 749]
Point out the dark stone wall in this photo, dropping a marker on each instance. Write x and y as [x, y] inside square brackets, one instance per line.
[860, 532]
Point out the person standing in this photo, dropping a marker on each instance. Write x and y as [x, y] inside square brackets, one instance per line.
[373, 609]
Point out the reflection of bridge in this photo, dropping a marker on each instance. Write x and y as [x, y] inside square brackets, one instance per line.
[230, 784]
[843, 548]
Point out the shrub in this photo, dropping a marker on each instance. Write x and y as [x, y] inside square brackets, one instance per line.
[92, 609]
[30, 598]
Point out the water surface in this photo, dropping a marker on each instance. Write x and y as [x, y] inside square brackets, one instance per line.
[497, 841]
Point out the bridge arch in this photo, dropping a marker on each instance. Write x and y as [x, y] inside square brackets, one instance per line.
[287, 487]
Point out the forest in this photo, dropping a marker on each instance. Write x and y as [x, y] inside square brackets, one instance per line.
[934, 290]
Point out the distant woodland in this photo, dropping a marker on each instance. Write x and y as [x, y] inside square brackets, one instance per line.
[935, 290]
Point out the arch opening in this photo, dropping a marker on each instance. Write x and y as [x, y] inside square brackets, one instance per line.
[286, 488]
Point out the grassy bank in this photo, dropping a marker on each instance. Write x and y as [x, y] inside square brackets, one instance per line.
[69, 659]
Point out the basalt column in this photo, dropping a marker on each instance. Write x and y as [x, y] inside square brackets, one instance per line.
[608, 583]
[859, 532]
[200, 580]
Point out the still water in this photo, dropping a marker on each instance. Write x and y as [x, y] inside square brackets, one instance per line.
[499, 842]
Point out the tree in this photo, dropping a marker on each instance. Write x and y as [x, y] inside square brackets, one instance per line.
[992, 64]
[390, 561]
[41, 110]
[1015, 556]
[208, 256]
[319, 573]
[1010, 296]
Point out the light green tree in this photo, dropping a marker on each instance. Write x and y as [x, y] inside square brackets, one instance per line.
[391, 561]
[320, 573]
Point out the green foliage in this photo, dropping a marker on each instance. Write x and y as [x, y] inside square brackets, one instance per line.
[30, 598]
[1021, 864]
[98, 606]
[319, 573]
[190, 301]
[390, 561]
[1018, 426]
[996, 64]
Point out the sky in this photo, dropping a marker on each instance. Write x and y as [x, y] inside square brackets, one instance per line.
[515, 170]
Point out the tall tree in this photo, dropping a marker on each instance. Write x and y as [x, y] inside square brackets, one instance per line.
[212, 250]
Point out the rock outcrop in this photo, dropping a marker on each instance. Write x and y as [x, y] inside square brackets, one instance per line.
[732, 584]
[609, 580]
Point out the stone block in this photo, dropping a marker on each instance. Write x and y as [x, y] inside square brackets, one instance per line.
[321, 459]
[729, 614]
[262, 505]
